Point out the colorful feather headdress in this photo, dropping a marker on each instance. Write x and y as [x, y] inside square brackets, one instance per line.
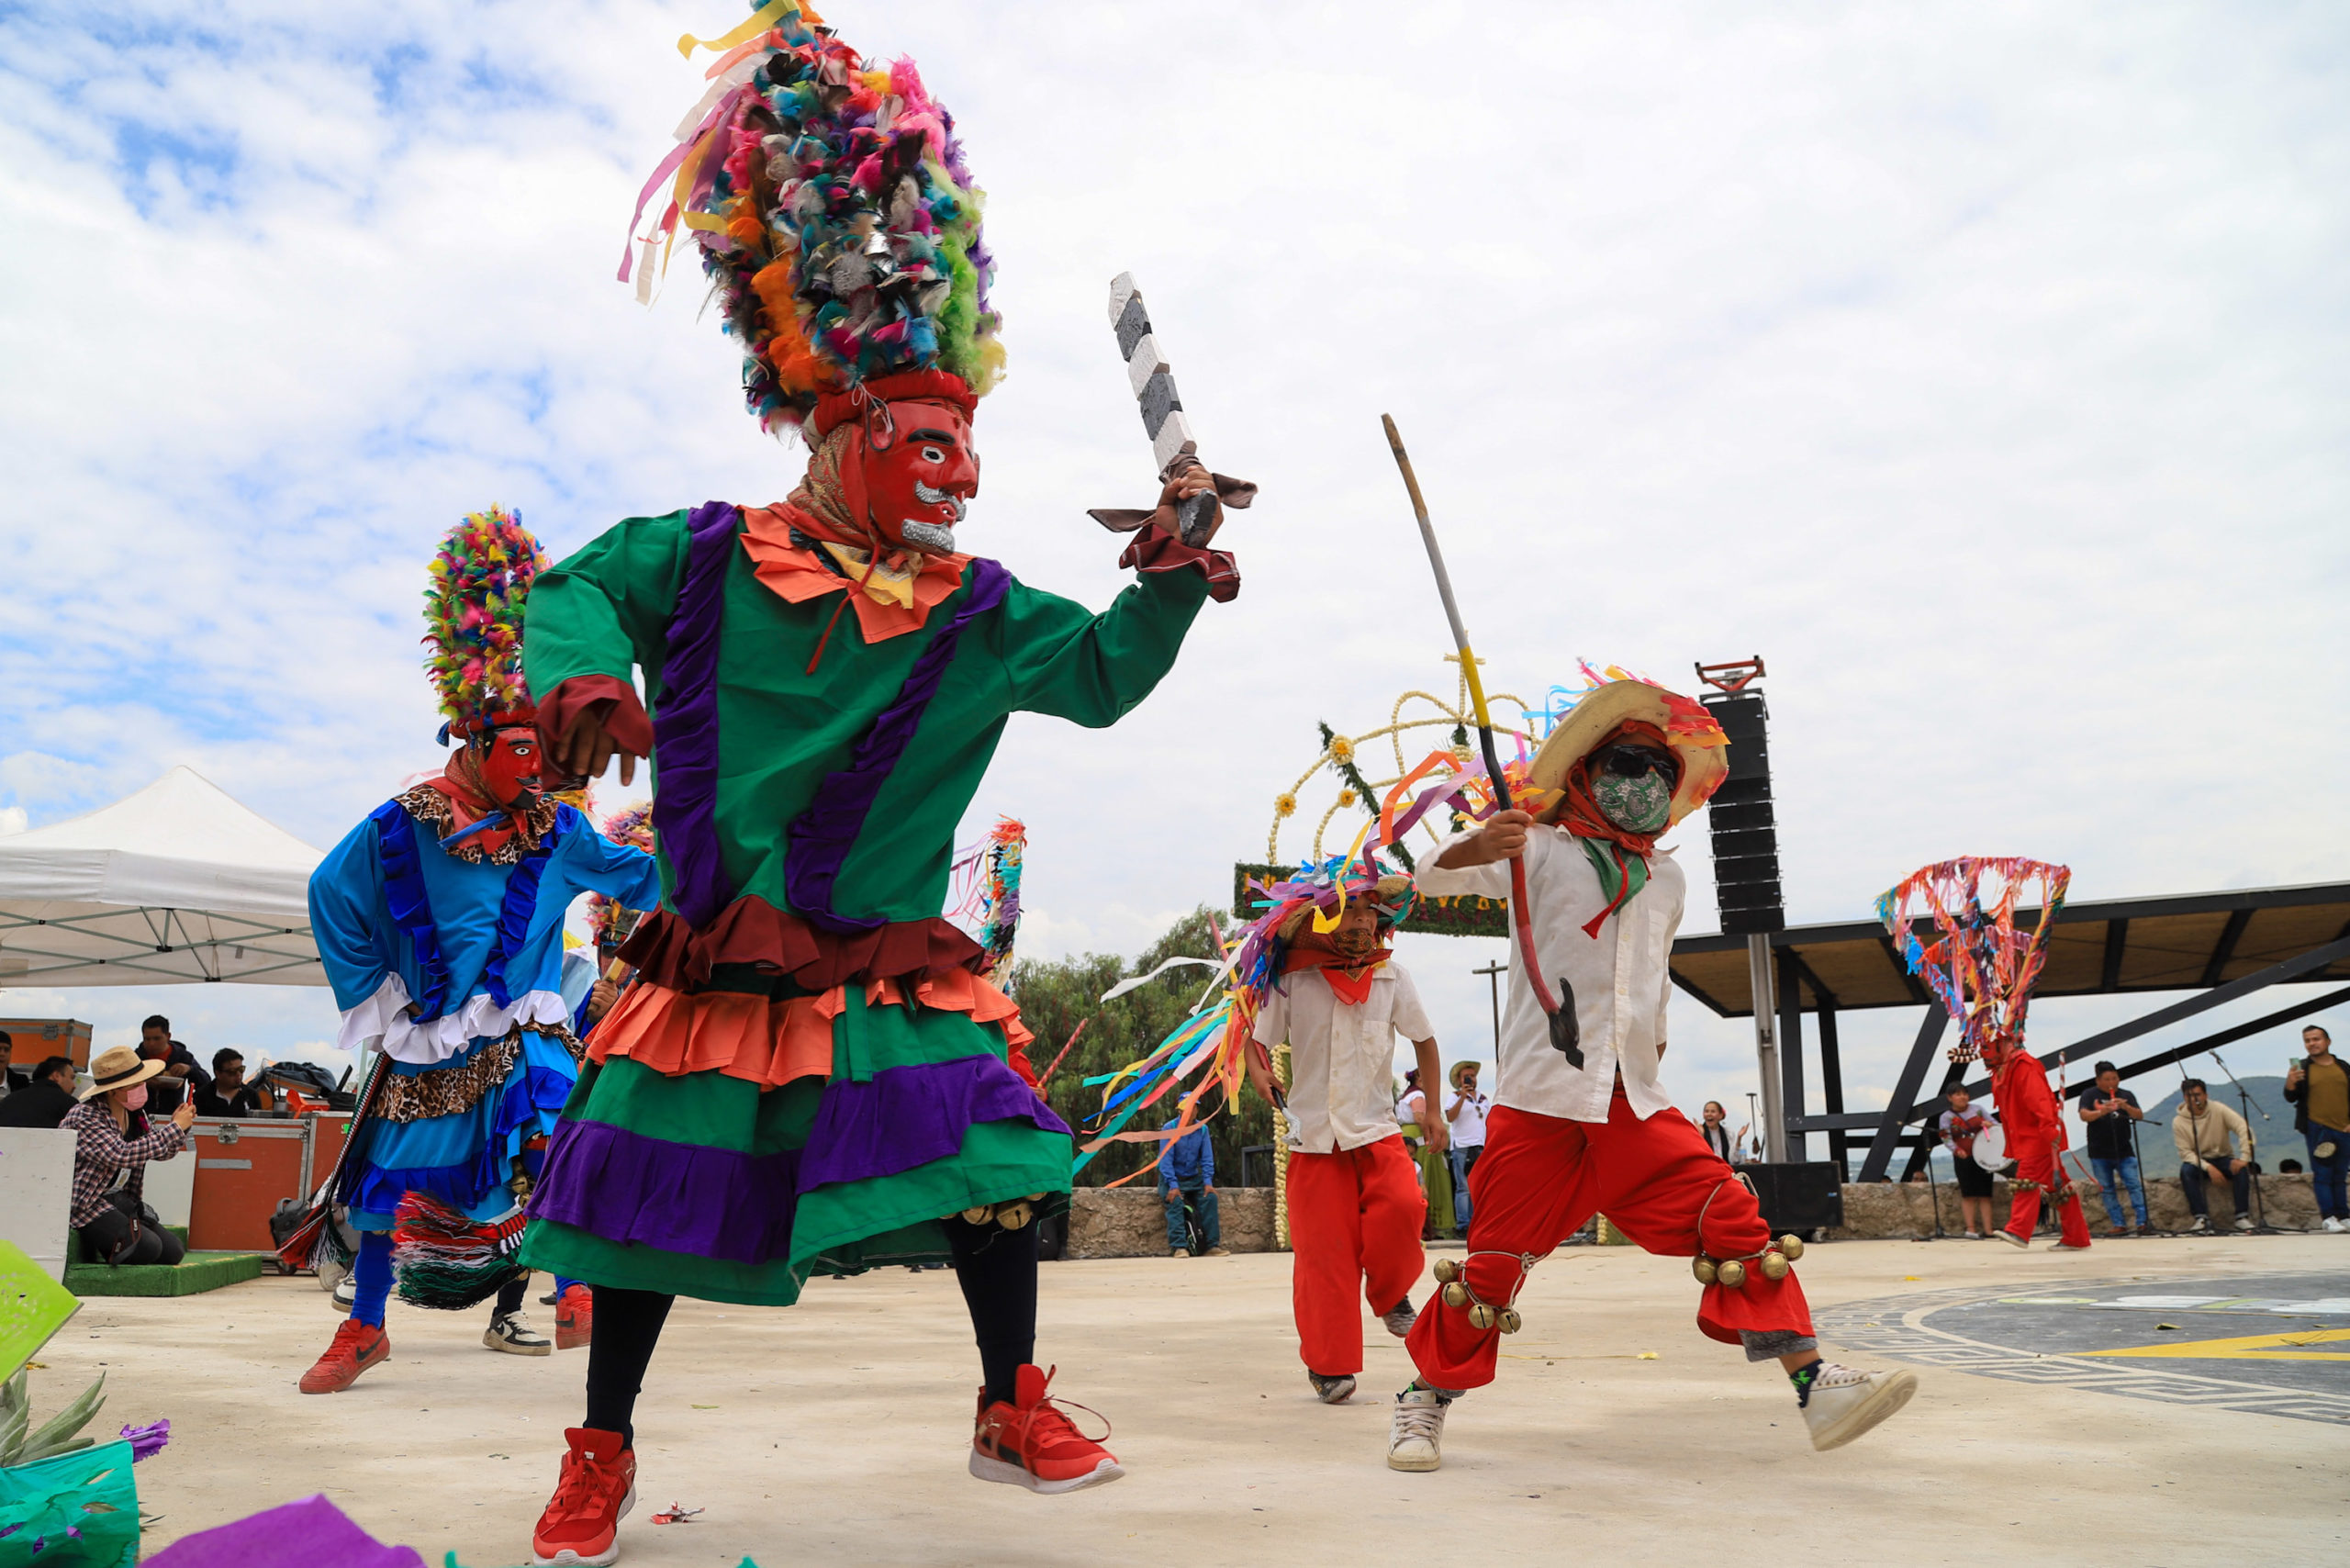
[835, 218]
[473, 616]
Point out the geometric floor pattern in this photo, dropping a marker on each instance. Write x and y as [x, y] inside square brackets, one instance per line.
[2270, 1344]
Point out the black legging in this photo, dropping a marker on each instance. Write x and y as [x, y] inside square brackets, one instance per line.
[113, 1226]
[996, 1268]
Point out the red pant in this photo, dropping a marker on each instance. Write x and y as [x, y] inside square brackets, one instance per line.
[1354, 1226]
[2023, 1207]
[1541, 1177]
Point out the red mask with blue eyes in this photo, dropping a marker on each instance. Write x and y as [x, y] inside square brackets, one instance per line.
[912, 474]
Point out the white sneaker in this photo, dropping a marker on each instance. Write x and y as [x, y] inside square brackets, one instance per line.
[510, 1333]
[1843, 1402]
[1415, 1431]
[2199, 1226]
[2333, 1224]
[344, 1296]
[2244, 1222]
[2012, 1239]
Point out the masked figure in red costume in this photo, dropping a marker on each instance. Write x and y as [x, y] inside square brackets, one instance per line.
[2036, 1142]
[1568, 1138]
[808, 1075]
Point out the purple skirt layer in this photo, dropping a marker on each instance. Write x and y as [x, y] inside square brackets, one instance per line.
[906, 1116]
[681, 1197]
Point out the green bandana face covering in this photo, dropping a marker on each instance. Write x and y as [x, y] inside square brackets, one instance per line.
[1635, 805]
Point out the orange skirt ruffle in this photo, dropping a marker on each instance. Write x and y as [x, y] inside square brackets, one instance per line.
[769, 1042]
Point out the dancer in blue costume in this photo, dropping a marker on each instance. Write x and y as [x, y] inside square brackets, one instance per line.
[440, 922]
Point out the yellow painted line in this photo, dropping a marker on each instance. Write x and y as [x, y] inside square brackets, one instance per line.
[2249, 1347]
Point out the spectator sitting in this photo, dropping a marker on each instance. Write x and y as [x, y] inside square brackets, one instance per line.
[227, 1094]
[114, 1141]
[2207, 1136]
[1467, 1115]
[1187, 1185]
[155, 1043]
[2319, 1088]
[44, 1101]
[1961, 1124]
[2109, 1111]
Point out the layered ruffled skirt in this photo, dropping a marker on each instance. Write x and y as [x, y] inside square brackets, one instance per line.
[730, 1144]
[454, 1131]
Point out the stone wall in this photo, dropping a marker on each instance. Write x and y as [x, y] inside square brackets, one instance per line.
[1131, 1222]
[1882, 1210]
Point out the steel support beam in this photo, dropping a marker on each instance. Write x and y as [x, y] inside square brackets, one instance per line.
[2161, 1018]
[1790, 985]
[1766, 1047]
[2228, 1037]
[1905, 1090]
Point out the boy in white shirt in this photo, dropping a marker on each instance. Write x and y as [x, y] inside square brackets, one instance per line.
[1568, 1138]
[1355, 1206]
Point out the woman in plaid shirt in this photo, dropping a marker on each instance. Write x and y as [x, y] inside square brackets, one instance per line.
[114, 1139]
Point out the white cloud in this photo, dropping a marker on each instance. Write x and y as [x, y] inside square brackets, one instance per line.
[1984, 369]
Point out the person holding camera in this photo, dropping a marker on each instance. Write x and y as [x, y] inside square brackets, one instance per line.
[114, 1141]
[2318, 1088]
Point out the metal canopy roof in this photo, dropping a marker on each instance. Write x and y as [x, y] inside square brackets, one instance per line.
[2186, 943]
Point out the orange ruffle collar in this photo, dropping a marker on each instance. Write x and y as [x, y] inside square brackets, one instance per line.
[797, 574]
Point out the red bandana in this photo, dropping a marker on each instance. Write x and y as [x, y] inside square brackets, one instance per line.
[469, 803]
[1350, 982]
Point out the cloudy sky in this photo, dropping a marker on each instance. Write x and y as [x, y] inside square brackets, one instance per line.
[1986, 369]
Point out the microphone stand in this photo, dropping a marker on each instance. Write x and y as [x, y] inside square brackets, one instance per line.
[2252, 1145]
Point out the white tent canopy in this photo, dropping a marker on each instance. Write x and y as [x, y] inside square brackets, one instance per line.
[176, 883]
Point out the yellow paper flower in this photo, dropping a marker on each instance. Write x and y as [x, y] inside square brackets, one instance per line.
[1284, 804]
[1345, 797]
[1341, 749]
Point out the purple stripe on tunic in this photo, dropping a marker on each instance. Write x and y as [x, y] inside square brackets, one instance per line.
[681, 1197]
[819, 838]
[685, 731]
[905, 1116]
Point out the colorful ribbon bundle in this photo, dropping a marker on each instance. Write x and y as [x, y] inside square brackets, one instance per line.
[986, 882]
[1980, 966]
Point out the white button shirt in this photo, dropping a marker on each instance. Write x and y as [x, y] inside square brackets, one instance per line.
[1620, 979]
[1342, 1057]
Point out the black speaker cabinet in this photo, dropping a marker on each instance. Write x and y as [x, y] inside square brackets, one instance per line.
[1801, 1197]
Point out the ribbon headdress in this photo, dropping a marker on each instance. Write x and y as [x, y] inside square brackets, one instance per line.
[837, 220]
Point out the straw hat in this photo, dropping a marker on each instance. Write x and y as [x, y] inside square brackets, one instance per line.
[118, 1067]
[1696, 741]
[1459, 1070]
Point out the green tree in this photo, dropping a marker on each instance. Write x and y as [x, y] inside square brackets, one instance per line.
[1057, 995]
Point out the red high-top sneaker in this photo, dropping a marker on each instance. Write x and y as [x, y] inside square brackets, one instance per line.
[575, 1318]
[357, 1346]
[1030, 1443]
[597, 1490]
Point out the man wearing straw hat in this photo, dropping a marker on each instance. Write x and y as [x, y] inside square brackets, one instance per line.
[1355, 1203]
[1579, 1130]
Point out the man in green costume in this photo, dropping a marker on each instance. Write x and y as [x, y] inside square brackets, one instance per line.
[807, 1076]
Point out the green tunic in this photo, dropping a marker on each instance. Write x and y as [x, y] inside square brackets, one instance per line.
[607, 1209]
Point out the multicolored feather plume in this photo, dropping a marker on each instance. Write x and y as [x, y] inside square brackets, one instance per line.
[473, 616]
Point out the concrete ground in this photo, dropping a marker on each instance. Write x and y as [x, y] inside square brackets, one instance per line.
[836, 1431]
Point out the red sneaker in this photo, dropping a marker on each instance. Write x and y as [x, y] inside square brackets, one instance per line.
[596, 1492]
[575, 1318]
[357, 1346]
[1032, 1444]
